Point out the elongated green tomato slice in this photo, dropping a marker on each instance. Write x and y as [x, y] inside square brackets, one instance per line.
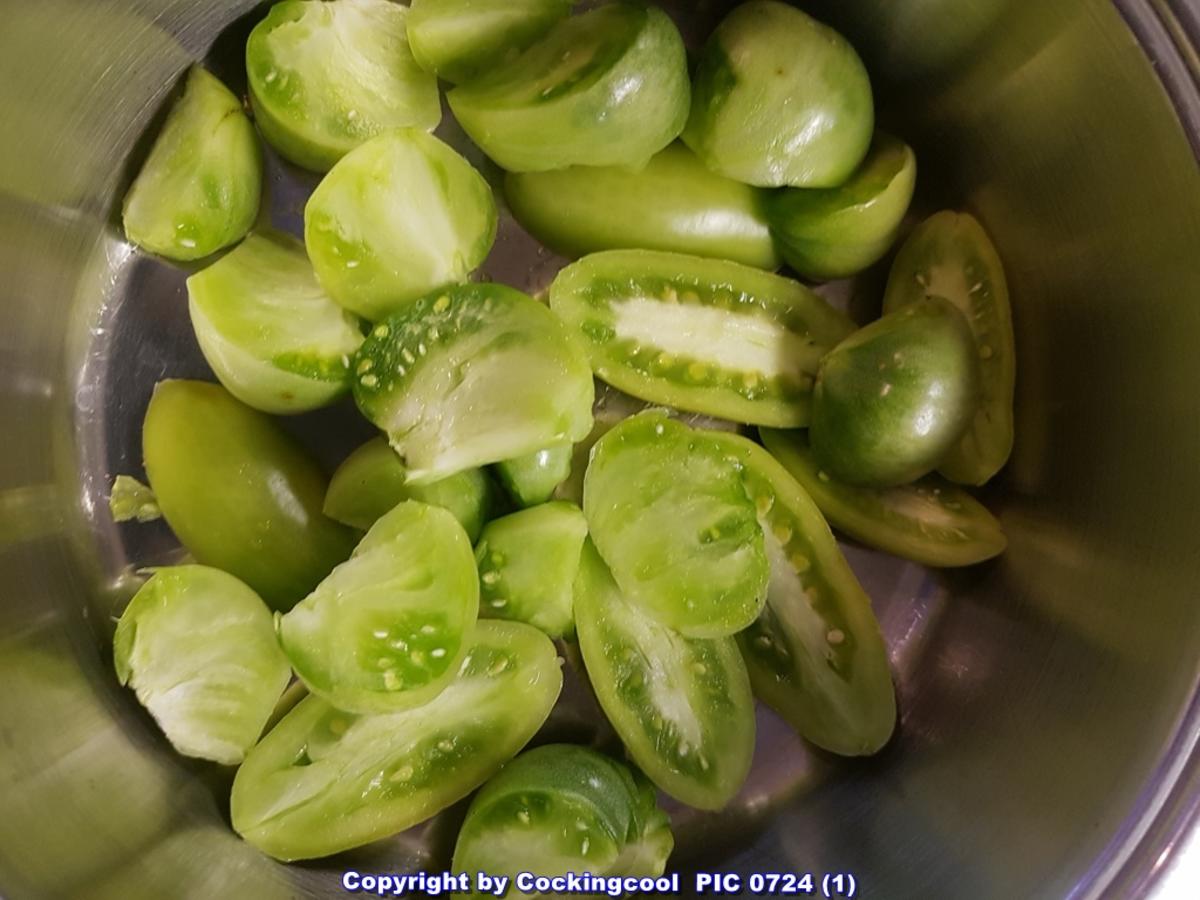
[532, 479]
[239, 493]
[606, 88]
[930, 522]
[527, 566]
[951, 256]
[837, 232]
[682, 706]
[323, 780]
[478, 374]
[701, 335]
[198, 647]
[199, 189]
[327, 76]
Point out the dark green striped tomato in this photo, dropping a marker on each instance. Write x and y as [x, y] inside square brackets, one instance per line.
[532, 479]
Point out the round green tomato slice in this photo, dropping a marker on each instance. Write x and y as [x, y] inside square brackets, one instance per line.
[198, 647]
[387, 629]
[951, 256]
[327, 76]
[472, 376]
[702, 335]
[239, 493]
[199, 189]
[779, 99]
[682, 706]
[532, 479]
[323, 780]
[606, 88]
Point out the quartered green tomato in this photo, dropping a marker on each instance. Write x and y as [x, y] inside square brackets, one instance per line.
[682, 706]
[532, 479]
[837, 232]
[779, 99]
[951, 256]
[272, 335]
[471, 376]
[327, 76]
[323, 780]
[238, 493]
[893, 399]
[701, 335]
[930, 522]
[400, 216]
[198, 647]
[606, 88]
[200, 187]
[387, 629]
[527, 566]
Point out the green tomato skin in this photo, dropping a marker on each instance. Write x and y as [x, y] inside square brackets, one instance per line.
[240, 494]
[323, 781]
[674, 204]
[606, 88]
[838, 232]
[200, 188]
[951, 256]
[532, 480]
[779, 99]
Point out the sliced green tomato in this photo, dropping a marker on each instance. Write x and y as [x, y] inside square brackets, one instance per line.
[239, 493]
[400, 216]
[130, 500]
[779, 99]
[478, 374]
[200, 187]
[533, 479]
[387, 629]
[198, 647]
[606, 88]
[702, 335]
[327, 76]
[682, 706]
[930, 522]
[837, 232]
[323, 780]
[951, 256]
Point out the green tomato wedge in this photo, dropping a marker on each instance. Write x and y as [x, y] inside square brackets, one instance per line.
[779, 99]
[682, 706]
[701, 335]
[472, 376]
[239, 493]
[326, 77]
[527, 565]
[323, 780]
[271, 334]
[930, 522]
[198, 648]
[838, 232]
[461, 39]
[199, 189]
[398, 217]
[532, 479]
[606, 88]
[951, 256]
[372, 482]
[561, 809]
[675, 203]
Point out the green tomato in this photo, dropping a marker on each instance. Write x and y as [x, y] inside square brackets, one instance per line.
[398, 217]
[894, 398]
[780, 99]
[951, 256]
[239, 493]
[198, 647]
[327, 76]
[532, 479]
[130, 500]
[837, 232]
[701, 335]
[199, 189]
[472, 376]
[682, 706]
[323, 780]
[606, 88]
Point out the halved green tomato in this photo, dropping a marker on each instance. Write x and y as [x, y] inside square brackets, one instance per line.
[533, 479]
